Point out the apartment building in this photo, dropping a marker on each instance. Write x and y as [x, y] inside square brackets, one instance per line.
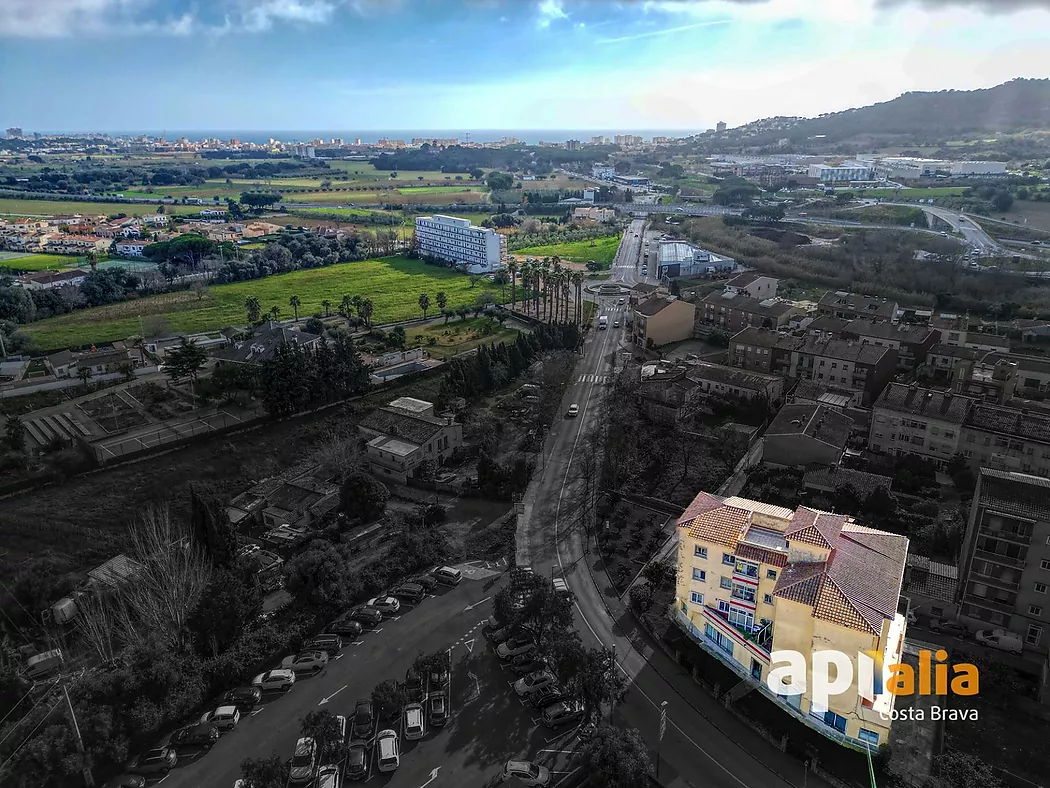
[754, 578]
[763, 351]
[802, 435]
[477, 249]
[130, 248]
[75, 244]
[1005, 578]
[1007, 438]
[917, 420]
[912, 343]
[735, 311]
[659, 320]
[851, 306]
[846, 364]
[753, 285]
[955, 330]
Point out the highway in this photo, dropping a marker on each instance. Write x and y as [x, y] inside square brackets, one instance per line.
[705, 746]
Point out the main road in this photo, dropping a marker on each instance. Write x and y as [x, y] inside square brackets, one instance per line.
[704, 744]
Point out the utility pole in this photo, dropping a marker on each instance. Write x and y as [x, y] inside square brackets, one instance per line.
[89, 780]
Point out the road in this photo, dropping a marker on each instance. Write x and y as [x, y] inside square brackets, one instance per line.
[705, 745]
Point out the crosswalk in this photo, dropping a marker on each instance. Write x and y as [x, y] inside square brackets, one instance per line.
[599, 379]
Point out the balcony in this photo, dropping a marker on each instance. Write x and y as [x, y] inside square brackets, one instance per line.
[989, 604]
[1008, 536]
[992, 580]
[746, 572]
[743, 595]
[998, 558]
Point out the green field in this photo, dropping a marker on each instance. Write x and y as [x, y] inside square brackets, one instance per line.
[912, 194]
[37, 262]
[61, 207]
[393, 284]
[439, 189]
[458, 336]
[601, 250]
[402, 196]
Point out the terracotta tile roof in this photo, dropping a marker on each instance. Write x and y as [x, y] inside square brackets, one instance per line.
[799, 583]
[703, 502]
[721, 526]
[814, 527]
[762, 556]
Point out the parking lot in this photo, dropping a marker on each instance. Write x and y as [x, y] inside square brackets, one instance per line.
[487, 726]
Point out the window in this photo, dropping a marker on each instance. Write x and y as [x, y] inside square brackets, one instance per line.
[696, 598]
[699, 574]
[768, 599]
[1040, 588]
[836, 721]
[868, 737]
[1044, 564]
[1034, 635]
[1035, 610]
[725, 582]
[729, 559]
[723, 606]
[699, 552]
[771, 574]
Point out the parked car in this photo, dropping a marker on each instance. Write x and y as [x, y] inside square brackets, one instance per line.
[439, 678]
[527, 685]
[523, 664]
[304, 762]
[244, 698]
[514, 646]
[447, 575]
[273, 680]
[388, 750]
[438, 708]
[528, 774]
[368, 616]
[414, 721]
[127, 781]
[410, 592]
[413, 685]
[345, 627]
[159, 760]
[386, 605]
[427, 581]
[497, 636]
[364, 720]
[306, 662]
[329, 644]
[493, 623]
[357, 760]
[200, 736]
[561, 588]
[342, 726]
[547, 696]
[947, 627]
[563, 712]
[328, 777]
[225, 718]
[1000, 639]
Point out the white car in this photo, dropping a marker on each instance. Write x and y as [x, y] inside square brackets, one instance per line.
[387, 605]
[999, 639]
[388, 751]
[225, 718]
[536, 680]
[513, 647]
[273, 680]
[414, 721]
[573, 411]
[328, 777]
[306, 661]
[528, 774]
[304, 761]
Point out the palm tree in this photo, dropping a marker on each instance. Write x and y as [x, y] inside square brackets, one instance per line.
[295, 303]
[251, 303]
[424, 304]
[326, 305]
[84, 373]
[275, 312]
[442, 299]
[356, 302]
[365, 309]
[525, 271]
[578, 279]
[345, 306]
[137, 341]
[512, 267]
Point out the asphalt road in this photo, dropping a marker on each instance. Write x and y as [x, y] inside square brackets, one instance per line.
[704, 746]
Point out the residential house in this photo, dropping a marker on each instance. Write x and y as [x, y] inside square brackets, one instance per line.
[912, 419]
[26, 243]
[61, 364]
[666, 395]
[49, 280]
[670, 392]
[755, 578]
[75, 244]
[955, 330]
[1002, 376]
[106, 361]
[763, 351]
[803, 435]
[130, 248]
[943, 359]
[912, 343]
[846, 364]
[826, 326]
[264, 343]
[829, 478]
[594, 213]
[660, 320]
[302, 501]
[157, 220]
[851, 306]
[642, 291]
[753, 285]
[405, 435]
[932, 587]
[719, 381]
[214, 213]
[808, 392]
[736, 311]
[1005, 577]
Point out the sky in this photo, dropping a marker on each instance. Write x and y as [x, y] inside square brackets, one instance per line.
[256, 65]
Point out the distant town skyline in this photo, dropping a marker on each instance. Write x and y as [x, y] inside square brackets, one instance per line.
[672, 65]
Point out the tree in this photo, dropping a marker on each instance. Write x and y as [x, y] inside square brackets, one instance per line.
[200, 288]
[275, 312]
[474, 279]
[314, 325]
[659, 575]
[499, 181]
[326, 305]
[269, 772]
[366, 310]
[185, 361]
[229, 606]
[389, 698]
[320, 576]
[424, 304]
[84, 373]
[591, 674]
[323, 728]
[442, 300]
[256, 201]
[155, 326]
[16, 433]
[530, 603]
[616, 758]
[295, 303]
[363, 498]
[956, 769]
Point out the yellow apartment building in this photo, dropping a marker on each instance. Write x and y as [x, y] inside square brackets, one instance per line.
[754, 579]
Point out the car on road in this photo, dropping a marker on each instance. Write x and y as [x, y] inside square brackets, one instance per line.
[274, 680]
[357, 760]
[447, 575]
[515, 646]
[561, 588]
[364, 720]
[366, 615]
[388, 751]
[410, 592]
[304, 762]
[414, 721]
[536, 680]
[200, 736]
[387, 605]
[306, 662]
[244, 698]
[573, 411]
[999, 639]
[622, 301]
[127, 781]
[328, 777]
[528, 774]
[947, 627]
[563, 712]
[225, 718]
[427, 581]
[547, 696]
[159, 760]
[330, 644]
[438, 704]
[616, 323]
[345, 626]
[524, 664]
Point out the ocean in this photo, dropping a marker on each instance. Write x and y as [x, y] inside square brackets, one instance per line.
[529, 136]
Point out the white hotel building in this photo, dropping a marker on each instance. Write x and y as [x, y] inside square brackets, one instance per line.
[479, 250]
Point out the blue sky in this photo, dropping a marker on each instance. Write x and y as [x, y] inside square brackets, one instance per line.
[493, 64]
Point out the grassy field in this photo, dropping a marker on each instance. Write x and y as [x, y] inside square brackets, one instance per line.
[37, 262]
[912, 194]
[391, 196]
[393, 284]
[601, 250]
[63, 207]
[439, 189]
[458, 336]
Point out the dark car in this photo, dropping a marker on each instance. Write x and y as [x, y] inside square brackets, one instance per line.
[438, 705]
[543, 698]
[946, 627]
[329, 644]
[244, 698]
[126, 781]
[357, 760]
[364, 720]
[345, 627]
[523, 664]
[409, 592]
[369, 616]
[413, 686]
[200, 736]
[159, 760]
[428, 583]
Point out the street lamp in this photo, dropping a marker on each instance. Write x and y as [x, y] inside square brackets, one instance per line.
[660, 739]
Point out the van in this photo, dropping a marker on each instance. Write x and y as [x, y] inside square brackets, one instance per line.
[40, 665]
[447, 575]
[1000, 639]
[388, 751]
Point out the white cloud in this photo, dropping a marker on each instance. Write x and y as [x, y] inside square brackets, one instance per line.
[261, 16]
[550, 11]
[664, 32]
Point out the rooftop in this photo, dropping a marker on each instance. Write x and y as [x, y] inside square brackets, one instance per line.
[264, 343]
[830, 478]
[769, 307]
[1015, 493]
[731, 376]
[901, 332]
[763, 337]
[653, 305]
[391, 421]
[395, 446]
[925, 402]
[1018, 422]
[860, 304]
[818, 422]
[743, 280]
[843, 349]
[955, 351]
